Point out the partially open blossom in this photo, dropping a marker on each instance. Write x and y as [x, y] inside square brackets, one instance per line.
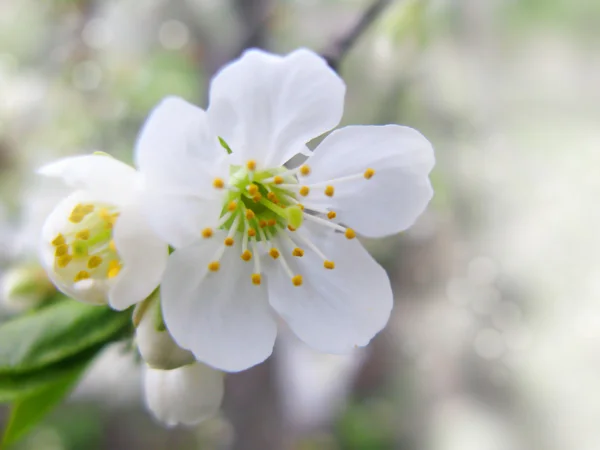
[254, 238]
[96, 245]
[187, 395]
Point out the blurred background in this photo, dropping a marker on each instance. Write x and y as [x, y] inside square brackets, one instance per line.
[494, 343]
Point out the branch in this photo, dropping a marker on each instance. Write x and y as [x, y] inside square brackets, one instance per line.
[337, 51]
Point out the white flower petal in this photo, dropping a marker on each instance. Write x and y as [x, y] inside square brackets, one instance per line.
[267, 107]
[394, 197]
[144, 257]
[157, 348]
[220, 316]
[105, 176]
[335, 310]
[187, 395]
[175, 129]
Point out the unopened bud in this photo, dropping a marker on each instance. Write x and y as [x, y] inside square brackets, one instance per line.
[26, 286]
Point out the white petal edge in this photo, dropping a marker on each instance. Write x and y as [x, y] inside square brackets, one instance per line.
[336, 310]
[144, 257]
[221, 317]
[268, 106]
[394, 197]
[187, 395]
[104, 176]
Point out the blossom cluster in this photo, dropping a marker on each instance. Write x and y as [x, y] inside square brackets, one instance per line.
[218, 234]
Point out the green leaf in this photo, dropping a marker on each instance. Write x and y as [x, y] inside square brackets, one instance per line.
[28, 411]
[14, 387]
[55, 333]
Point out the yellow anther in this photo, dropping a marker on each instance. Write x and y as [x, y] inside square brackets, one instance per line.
[249, 214]
[218, 183]
[257, 198]
[86, 209]
[112, 246]
[274, 253]
[63, 261]
[256, 278]
[251, 165]
[329, 191]
[271, 196]
[80, 248]
[291, 228]
[78, 209]
[61, 250]
[252, 189]
[251, 232]
[331, 215]
[83, 234]
[262, 223]
[104, 214]
[271, 222]
[305, 170]
[300, 205]
[232, 206]
[114, 267]
[207, 232]
[304, 190]
[328, 264]
[369, 173]
[94, 262]
[350, 234]
[214, 266]
[278, 179]
[81, 275]
[228, 241]
[246, 255]
[58, 240]
[297, 280]
[298, 252]
[76, 217]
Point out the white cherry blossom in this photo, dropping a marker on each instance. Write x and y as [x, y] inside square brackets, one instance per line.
[256, 240]
[96, 245]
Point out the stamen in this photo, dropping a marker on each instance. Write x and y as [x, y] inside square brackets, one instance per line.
[250, 214]
[81, 275]
[331, 215]
[318, 220]
[278, 179]
[114, 267]
[63, 261]
[291, 228]
[304, 190]
[58, 240]
[218, 183]
[369, 173]
[257, 198]
[274, 253]
[252, 189]
[251, 232]
[357, 176]
[298, 252]
[256, 260]
[251, 164]
[350, 234]
[61, 250]
[311, 245]
[83, 234]
[86, 209]
[224, 219]
[329, 191]
[228, 241]
[328, 264]
[214, 266]
[94, 262]
[305, 170]
[206, 233]
[297, 280]
[246, 255]
[271, 222]
[76, 218]
[256, 279]
[232, 206]
[262, 223]
[271, 196]
[113, 247]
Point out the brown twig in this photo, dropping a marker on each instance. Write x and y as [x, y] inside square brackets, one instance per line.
[337, 51]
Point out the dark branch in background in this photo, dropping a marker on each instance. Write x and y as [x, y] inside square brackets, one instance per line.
[337, 51]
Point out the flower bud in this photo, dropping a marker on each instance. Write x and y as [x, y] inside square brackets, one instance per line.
[157, 346]
[26, 286]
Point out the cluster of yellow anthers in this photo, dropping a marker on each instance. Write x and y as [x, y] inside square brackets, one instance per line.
[263, 207]
[85, 249]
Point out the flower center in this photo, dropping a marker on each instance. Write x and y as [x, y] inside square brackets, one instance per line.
[85, 249]
[263, 207]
